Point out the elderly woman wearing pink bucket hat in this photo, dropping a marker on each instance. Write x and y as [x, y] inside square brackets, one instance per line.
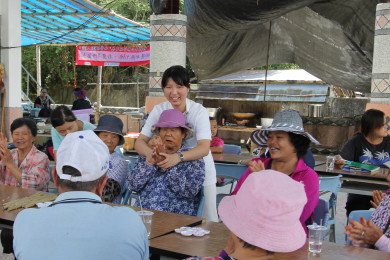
[287, 142]
[263, 218]
[175, 189]
[175, 84]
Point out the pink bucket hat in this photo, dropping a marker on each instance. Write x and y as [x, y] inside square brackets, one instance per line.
[172, 118]
[265, 212]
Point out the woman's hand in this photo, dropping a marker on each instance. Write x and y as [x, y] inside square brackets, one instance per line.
[372, 233]
[377, 198]
[5, 153]
[363, 233]
[355, 232]
[169, 161]
[256, 166]
[158, 149]
[6, 156]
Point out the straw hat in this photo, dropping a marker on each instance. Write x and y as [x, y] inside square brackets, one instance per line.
[286, 120]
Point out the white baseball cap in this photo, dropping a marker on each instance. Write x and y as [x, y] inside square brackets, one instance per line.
[84, 151]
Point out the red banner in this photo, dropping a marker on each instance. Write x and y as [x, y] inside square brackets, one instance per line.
[112, 55]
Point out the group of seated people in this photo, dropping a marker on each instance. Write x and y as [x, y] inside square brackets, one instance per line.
[171, 174]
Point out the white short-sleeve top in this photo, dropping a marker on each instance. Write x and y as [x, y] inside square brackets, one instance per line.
[197, 118]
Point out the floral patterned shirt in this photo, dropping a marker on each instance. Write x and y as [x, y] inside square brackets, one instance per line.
[381, 215]
[175, 190]
[35, 171]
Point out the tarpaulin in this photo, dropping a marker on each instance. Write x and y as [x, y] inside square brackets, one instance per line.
[332, 40]
[112, 55]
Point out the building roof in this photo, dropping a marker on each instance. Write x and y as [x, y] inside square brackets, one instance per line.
[272, 75]
[75, 22]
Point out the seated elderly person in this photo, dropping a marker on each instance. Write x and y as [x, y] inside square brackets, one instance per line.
[375, 232]
[78, 225]
[263, 218]
[109, 130]
[25, 166]
[287, 142]
[176, 189]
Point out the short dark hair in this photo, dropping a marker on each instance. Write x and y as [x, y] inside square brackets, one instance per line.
[300, 143]
[42, 89]
[60, 115]
[250, 246]
[19, 122]
[371, 120]
[78, 185]
[178, 74]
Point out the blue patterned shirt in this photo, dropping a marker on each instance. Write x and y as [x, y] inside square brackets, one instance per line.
[176, 190]
[119, 172]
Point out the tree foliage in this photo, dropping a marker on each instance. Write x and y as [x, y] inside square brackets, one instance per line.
[58, 62]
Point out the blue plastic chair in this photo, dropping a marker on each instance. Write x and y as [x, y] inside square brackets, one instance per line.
[333, 185]
[128, 195]
[132, 161]
[231, 171]
[201, 203]
[356, 215]
[231, 149]
[321, 213]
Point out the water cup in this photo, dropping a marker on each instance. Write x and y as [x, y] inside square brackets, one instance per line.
[316, 234]
[330, 162]
[146, 217]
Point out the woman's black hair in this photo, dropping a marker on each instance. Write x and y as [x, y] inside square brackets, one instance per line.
[178, 74]
[250, 246]
[60, 115]
[19, 122]
[371, 120]
[300, 143]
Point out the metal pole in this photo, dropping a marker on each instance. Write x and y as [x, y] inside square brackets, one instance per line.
[38, 57]
[99, 90]
[138, 93]
[28, 83]
[266, 69]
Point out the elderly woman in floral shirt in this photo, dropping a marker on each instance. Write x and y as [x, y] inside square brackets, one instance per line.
[25, 166]
[176, 189]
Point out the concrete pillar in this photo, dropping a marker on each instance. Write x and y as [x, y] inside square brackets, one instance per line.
[380, 81]
[167, 47]
[11, 57]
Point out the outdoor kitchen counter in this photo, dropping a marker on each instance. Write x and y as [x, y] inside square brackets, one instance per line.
[235, 134]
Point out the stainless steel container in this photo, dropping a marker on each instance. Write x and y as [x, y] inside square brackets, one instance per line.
[213, 112]
[315, 110]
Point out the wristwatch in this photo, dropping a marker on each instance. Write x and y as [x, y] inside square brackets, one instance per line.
[181, 157]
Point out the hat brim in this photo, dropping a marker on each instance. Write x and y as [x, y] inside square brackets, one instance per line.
[257, 234]
[111, 130]
[260, 137]
[156, 131]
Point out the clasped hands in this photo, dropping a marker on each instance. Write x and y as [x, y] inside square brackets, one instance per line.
[363, 232]
[161, 158]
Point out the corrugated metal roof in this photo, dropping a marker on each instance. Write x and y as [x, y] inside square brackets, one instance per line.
[297, 75]
[74, 22]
